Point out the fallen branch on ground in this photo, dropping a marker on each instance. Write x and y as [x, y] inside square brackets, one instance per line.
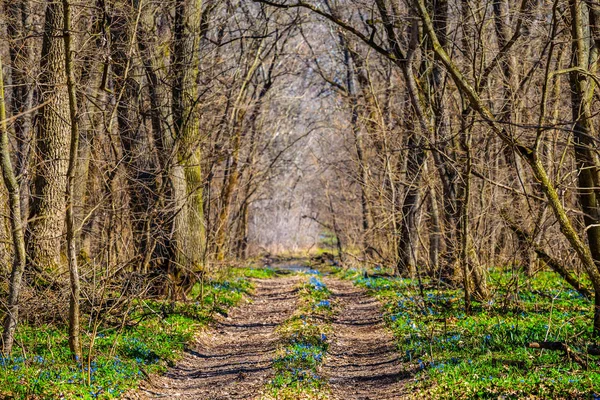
[561, 347]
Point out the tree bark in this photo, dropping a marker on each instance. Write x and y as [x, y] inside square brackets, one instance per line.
[74, 340]
[582, 250]
[46, 215]
[18, 241]
[232, 172]
[189, 228]
[141, 177]
[19, 26]
[586, 156]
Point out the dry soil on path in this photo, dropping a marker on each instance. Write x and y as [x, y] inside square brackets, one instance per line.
[362, 361]
[233, 359]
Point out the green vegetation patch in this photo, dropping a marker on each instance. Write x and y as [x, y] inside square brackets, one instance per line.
[305, 343]
[151, 338]
[485, 354]
[255, 273]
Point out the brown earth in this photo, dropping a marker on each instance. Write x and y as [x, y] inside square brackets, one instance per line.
[362, 361]
[233, 359]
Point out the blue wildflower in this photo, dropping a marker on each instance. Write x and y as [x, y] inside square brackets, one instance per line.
[324, 304]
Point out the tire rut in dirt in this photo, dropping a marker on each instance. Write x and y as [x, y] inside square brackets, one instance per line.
[362, 362]
[233, 359]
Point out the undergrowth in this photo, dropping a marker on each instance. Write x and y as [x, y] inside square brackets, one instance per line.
[485, 354]
[305, 343]
[151, 339]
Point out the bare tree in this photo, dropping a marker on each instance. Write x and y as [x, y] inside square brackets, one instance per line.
[51, 146]
[16, 225]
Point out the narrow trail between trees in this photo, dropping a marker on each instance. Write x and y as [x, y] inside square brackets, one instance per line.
[232, 360]
[363, 362]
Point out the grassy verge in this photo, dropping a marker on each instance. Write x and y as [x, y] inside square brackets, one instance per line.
[485, 354]
[305, 344]
[152, 339]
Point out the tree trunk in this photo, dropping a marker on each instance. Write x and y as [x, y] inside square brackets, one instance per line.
[141, 179]
[530, 155]
[435, 234]
[188, 232]
[445, 154]
[19, 26]
[505, 115]
[161, 119]
[410, 207]
[586, 156]
[16, 224]
[74, 341]
[360, 152]
[89, 129]
[416, 155]
[464, 197]
[232, 173]
[51, 146]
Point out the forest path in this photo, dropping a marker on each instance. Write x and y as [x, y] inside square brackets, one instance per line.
[362, 360]
[232, 360]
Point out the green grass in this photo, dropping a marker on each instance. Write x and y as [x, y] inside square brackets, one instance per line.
[485, 354]
[256, 273]
[153, 339]
[304, 346]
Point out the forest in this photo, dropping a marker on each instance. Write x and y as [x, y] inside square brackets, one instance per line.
[300, 199]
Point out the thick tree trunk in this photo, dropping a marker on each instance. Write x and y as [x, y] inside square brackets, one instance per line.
[440, 134]
[47, 209]
[445, 153]
[407, 244]
[89, 128]
[189, 229]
